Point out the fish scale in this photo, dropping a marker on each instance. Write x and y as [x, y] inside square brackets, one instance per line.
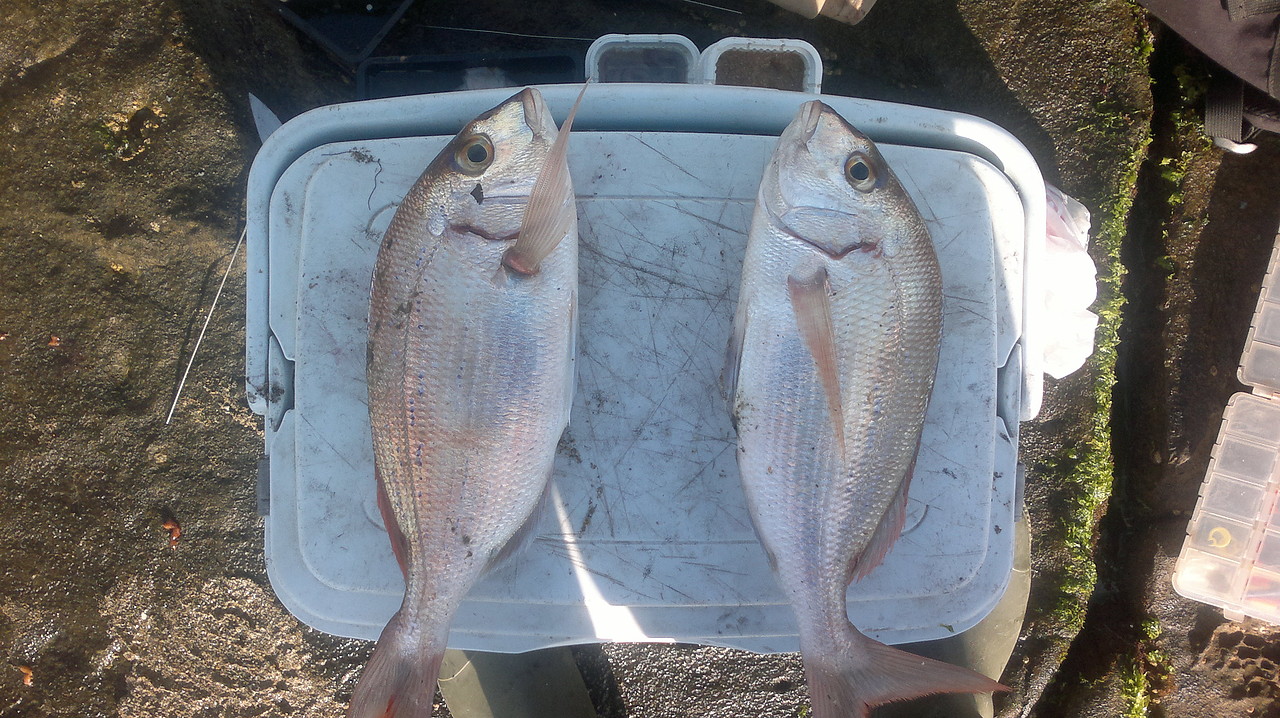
[835, 346]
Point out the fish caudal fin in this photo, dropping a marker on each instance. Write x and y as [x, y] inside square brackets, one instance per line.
[400, 680]
[849, 685]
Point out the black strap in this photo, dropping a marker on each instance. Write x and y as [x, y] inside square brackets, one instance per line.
[1224, 109]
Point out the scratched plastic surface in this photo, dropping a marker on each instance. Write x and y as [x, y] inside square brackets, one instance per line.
[649, 538]
[1231, 556]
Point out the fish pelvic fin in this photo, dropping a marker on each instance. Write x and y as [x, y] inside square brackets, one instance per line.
[400, 680]
[551, 213]
[850, 685]
[810, 295]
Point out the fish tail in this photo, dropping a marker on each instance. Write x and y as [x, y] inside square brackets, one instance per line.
[849, 685]
[400, 680]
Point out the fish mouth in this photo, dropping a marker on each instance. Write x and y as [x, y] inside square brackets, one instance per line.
[810, 116]
[536, 115]
[533, 107]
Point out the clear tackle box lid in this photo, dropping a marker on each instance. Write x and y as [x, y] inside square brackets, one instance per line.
[1231, 556]
[649, 538]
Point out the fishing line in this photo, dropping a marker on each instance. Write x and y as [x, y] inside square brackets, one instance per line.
[183, 381]
[714, 7]
[513, 34]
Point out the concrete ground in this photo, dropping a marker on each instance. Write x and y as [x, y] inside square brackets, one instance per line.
[127, 140]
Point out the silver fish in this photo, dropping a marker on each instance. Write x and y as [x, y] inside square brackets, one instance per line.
[832, 361]
[470, 371]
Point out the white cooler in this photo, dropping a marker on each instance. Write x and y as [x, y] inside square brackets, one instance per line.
[649, 539]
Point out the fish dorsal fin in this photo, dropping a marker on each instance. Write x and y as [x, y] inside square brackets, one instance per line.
[550, 213]
[810, 295]
[733, 355]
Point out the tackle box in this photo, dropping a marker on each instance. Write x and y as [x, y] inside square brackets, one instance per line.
[1231, 556]
[648, 537]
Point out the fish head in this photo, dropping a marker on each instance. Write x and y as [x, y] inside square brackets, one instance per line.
[829, 186]
[487, 171]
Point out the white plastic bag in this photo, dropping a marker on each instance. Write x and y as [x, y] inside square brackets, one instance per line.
[1070, 285]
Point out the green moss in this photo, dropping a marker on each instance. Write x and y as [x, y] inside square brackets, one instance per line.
[1134, 690]
[1089, 467]
[1144, 42]
[1151, 629]
[1141, 676]
[106, 137]
[1193, 142]
[1193, 84]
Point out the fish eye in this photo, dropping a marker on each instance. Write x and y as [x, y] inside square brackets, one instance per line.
[474, 155]
[860, 172]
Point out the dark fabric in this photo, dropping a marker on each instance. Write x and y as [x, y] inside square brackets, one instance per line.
[1246, 47]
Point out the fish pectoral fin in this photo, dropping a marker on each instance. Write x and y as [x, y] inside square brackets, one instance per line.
[552, 212]
[810, 295]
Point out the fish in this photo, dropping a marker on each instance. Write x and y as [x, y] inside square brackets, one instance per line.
[829, 371]
[470, 373]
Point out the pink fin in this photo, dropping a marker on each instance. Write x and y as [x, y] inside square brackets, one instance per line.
[399, 544]
[400, 680]
[528, 531]
[887, 532]
[811, 303]
[874, 674]
[551, 212]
